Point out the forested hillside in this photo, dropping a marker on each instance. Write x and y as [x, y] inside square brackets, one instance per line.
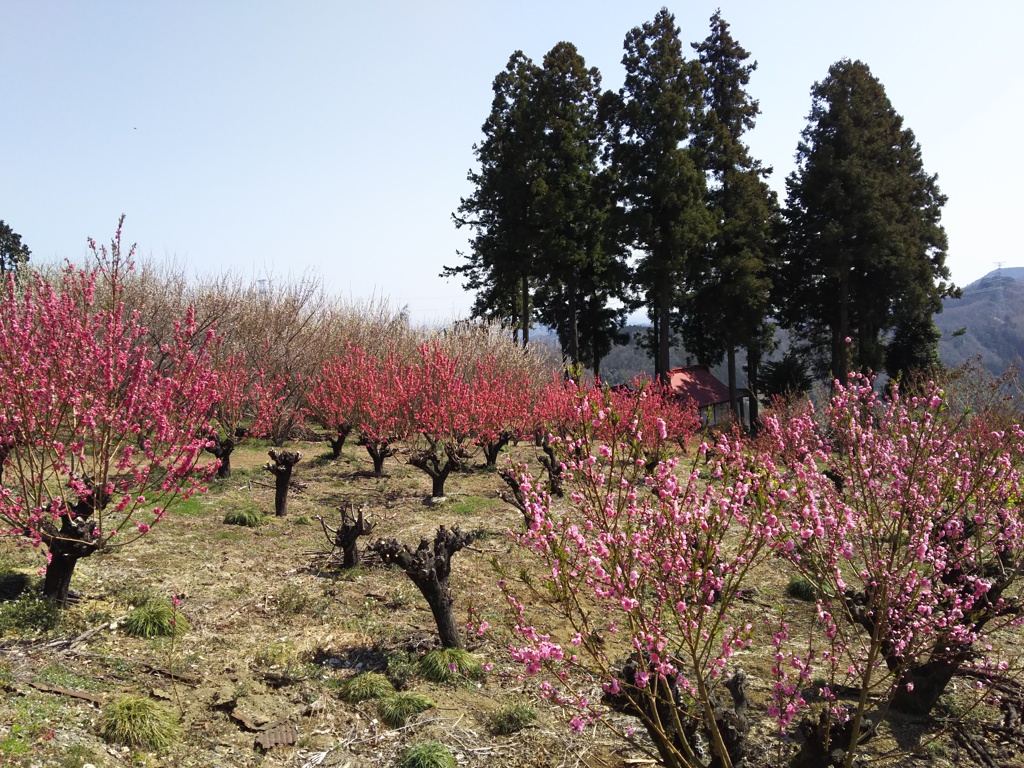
[987, 322]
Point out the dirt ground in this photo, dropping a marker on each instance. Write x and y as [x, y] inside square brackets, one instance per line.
[275, 627]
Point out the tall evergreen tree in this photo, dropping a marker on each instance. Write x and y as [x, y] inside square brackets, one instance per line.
[503, 207]
[13, 253]
[653, 119]
[728, 297]
[579, 271]
[866, 253]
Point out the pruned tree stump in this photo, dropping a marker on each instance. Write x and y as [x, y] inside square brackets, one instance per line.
[429, 567]
[280, 466]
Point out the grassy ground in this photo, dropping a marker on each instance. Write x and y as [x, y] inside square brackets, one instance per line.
[276, 630]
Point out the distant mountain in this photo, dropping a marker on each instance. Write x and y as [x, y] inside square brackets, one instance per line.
[988, 321]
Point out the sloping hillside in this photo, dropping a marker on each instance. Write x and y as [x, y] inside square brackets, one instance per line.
[988, 321]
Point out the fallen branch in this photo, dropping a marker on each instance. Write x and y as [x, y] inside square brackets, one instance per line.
[47, 688]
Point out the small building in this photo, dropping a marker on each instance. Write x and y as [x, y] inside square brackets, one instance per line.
[711, 396]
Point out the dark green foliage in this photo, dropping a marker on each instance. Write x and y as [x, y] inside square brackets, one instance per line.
[658, 179]
[580, 266]
[541, 208]
[865, 253]
[503, 207]
[800, 588]
[786, 377]
[727, 299]
[13, 253]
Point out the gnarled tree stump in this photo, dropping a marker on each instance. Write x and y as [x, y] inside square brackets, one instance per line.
[280, 466]
[429, 567]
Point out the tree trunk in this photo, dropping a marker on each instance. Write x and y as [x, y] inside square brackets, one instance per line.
[526, 311]
[491, 450]
[734, 397]
[929, 681]
[551, 463]
[430, 462]
[281, 465]
[664, 335]
[347, 535]
[378, 452]
[222, 449]
[840, 332]
[57, 583]
[754, 385]
[573, 326]
[429, 567]
[75, 539]
[338, 442]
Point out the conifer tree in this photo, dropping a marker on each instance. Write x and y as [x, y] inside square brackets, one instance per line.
[503, 207]
[865, 253]
[13, 253]
[579, 269]
[728, 293]
[653, 119]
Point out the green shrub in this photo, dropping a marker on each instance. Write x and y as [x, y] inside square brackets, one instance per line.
[511, 717]
[13, 584]
[429, 754]
[156, 618]
[800, 588]
[447, 665]
[396, 709]
[137, 721]
[368, 685]
[250, 518]
[30, 613]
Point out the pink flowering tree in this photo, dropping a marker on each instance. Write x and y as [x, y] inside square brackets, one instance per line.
[501, 396]
[331, 400]
[96, 440]
[232, 410]
[656, 403]
[554, 412]
[445, 412]
[906, 519]
[381, 395]
[647, 570]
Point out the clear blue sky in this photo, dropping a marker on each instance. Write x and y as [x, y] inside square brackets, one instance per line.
[273, 137]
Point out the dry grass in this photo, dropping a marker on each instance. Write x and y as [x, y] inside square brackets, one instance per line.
[275, 635]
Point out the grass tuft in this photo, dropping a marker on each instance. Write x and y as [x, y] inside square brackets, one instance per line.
[156, 618]
[447, 665]
[396, 709]
[511, 717]
[250, 518]
[137, 721]
[429, 754]
[365, 686]
[800, 588]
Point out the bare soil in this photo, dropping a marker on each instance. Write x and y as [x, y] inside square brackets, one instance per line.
[276, 626]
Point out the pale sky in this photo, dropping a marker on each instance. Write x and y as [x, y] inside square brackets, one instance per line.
[274, 138]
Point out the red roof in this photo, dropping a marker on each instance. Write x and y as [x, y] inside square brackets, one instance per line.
[699, 384]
